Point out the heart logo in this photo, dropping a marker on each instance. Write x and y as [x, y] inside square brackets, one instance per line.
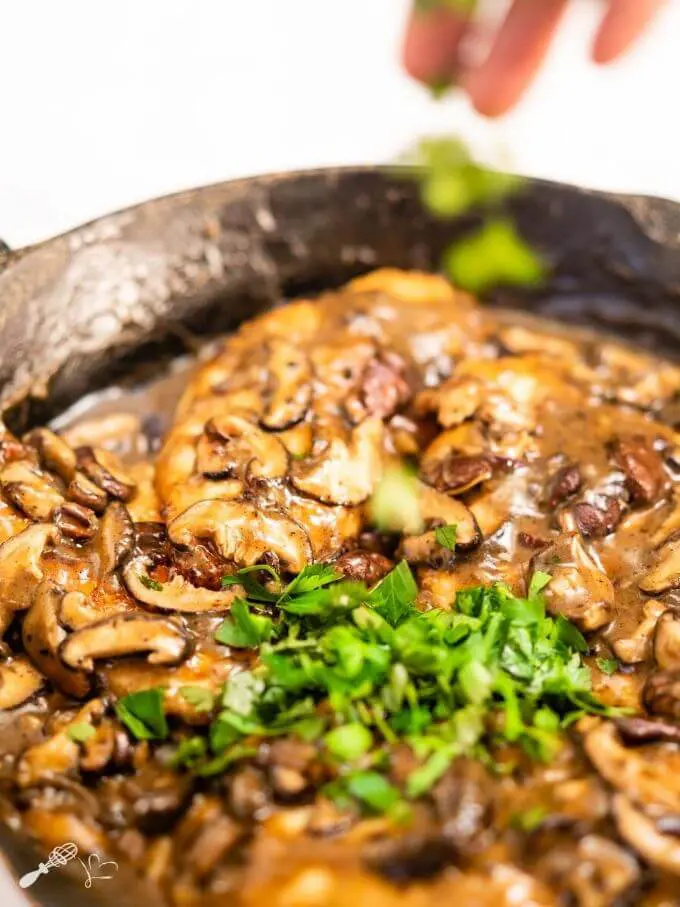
[98, 870]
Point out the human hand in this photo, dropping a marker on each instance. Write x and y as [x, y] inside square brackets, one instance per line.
[432, 49]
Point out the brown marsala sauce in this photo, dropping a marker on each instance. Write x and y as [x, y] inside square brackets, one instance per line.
[559, 450]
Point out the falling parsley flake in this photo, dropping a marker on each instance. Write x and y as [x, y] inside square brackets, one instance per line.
[143, 714]
[80, 732]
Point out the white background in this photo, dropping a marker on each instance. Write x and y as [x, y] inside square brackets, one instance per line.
[107, 102]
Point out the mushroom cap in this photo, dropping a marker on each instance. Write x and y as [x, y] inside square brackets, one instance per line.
[163, 639]
[244, 533]
[19, 682]
[20, 569]
[43, 634]
[177, 594]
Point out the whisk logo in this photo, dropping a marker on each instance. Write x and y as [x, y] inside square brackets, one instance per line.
[95, 869]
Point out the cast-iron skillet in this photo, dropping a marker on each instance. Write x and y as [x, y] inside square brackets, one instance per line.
[79, 310]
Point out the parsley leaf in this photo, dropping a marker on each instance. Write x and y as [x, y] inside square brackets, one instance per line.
[395, 594]
[373, 790]
[80, 732]
[244, 629]
[349, 741]
[143, 715]
[607, 665]
[150, 583]
[539, 581]
[446, 536]
[201, 698]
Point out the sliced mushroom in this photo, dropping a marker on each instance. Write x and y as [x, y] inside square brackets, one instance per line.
[126, 634]
[233, 445]
[54, 453]
[456, 473]
[438, 509]
[20, 570]
[19, 682]
[106, 472]
[564, 483]
[57, 756]
[176, 594]
[648, 776]
[667, 641]
[664, 573]
[638, 731]
[646, 478]
[661, 694]
[244, 533]
[86, 493]
[382, 388]
[637, 646]
[290, 388]
[34, 492]
[43, 633]
[640, 832]
[578, 589]
[116, 538]
[75, 522]
[346, 471]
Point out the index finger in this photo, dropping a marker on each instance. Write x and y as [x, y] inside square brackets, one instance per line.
[622, 24]
[432, 44]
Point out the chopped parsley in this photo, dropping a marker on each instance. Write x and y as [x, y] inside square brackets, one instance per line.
[607, 665]
[201, 698]
[446, 536]
[80, 732]
[395, 502]
[150, 583]
[143, 715]
[359, 671]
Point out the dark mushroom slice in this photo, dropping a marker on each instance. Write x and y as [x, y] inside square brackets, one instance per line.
[234, 445]
[19, 682]
[116, 538]
[289, 391]
[75, 522]
[20, 569]
[661, 694]
[86, 493]
[43, 634]
[641, 833]
[594, 522]
[563, 484]
[667, 641]
[244, 533]
[578, 589]
[456, 473]
[126, 634]
[646, 478]
[35, 493]
[347, 470]
[176, 594]
[102, 468]
[664, 574]
[382, 389]
[54, 453]
[368, 567]
[639, 731]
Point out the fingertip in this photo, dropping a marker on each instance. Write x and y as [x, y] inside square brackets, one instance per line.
[431, 46]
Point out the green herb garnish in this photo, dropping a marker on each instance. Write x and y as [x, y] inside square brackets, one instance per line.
[201, 698]
[150, 583]
[143, 715]
[446, 536]
[395, 503]
[80, 732]
[607, 665]
[362, 670]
